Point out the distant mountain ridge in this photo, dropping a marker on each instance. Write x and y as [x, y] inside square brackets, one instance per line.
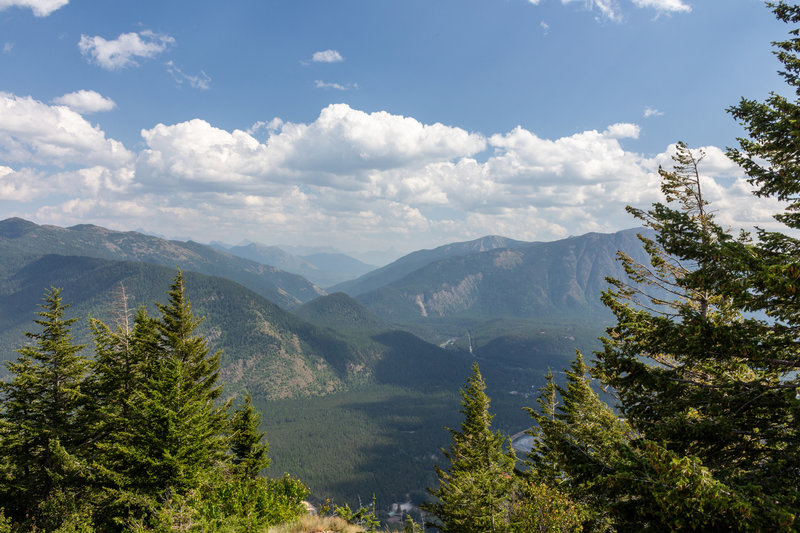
[527, 280]
[286, 289]
[323, 269]
[415, 260]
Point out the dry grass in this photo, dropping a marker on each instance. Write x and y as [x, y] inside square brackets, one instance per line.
[317, 524]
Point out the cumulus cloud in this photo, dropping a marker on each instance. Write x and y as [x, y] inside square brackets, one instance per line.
[84, 102]
[369, 176]
[327, 56]
[34, 132]
[198, 81]
[622, 130]
[123, 51]
[40, 8]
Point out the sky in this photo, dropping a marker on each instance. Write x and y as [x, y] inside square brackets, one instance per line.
[372, 124]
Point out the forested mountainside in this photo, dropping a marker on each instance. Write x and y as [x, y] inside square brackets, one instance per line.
[285, 289]
[340, 312]
[268, 351]
[560, 279]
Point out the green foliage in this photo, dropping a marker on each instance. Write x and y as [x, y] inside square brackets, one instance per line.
[177, 431]
[40, 415]
[698, 372]
[540, 508]
[410, 526]
[246, 442]
[226, 502]
[140, 441]
[603, 474]
[364, 516]
[709, 438]
[474, 492]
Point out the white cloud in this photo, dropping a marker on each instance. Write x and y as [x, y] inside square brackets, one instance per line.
[319, 84]
[368, 176]
[611, 10]
[545, 27]
[34, 132]
[18, 186]
[652, 112]
[199, 81]
[7, 47]
[622, 130]
[84, 102]
[327, 56]
[534, 2]
[123, 51]
[666, 6]
[343, 139]
[607, 9]
[41, 8]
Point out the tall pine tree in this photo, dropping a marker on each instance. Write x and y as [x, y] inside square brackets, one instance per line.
[475, 492]
[177, 430]
[41, 410]
[704, 373]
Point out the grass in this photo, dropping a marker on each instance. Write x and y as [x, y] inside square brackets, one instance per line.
[317, 524]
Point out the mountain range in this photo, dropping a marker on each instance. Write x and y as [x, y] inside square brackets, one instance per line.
[286, 289]
[373, 368]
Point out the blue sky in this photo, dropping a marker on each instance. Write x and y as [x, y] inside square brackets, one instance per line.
[367, 125]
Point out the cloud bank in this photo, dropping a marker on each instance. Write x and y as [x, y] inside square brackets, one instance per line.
[357, 179]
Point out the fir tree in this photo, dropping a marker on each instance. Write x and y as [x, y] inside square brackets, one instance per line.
[247, 442]
[177, 431]
[700, 372]
[474, 493]
[590, 467]
[40, 411]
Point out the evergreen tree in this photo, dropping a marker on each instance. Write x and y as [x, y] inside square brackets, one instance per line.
[601, 473]
[701, 373]
[474, 493]
[177, 431]
[247, 442]
[40, 412]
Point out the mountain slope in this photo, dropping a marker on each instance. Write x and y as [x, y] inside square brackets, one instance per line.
[285, 289]
[265, 349]
[556, 279]
[413, 261]
[340, 312]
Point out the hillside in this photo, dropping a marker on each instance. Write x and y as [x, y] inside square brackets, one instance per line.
[415, 260]
[285, 289]
[340, 312]
[272, 353]
[561, 279]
